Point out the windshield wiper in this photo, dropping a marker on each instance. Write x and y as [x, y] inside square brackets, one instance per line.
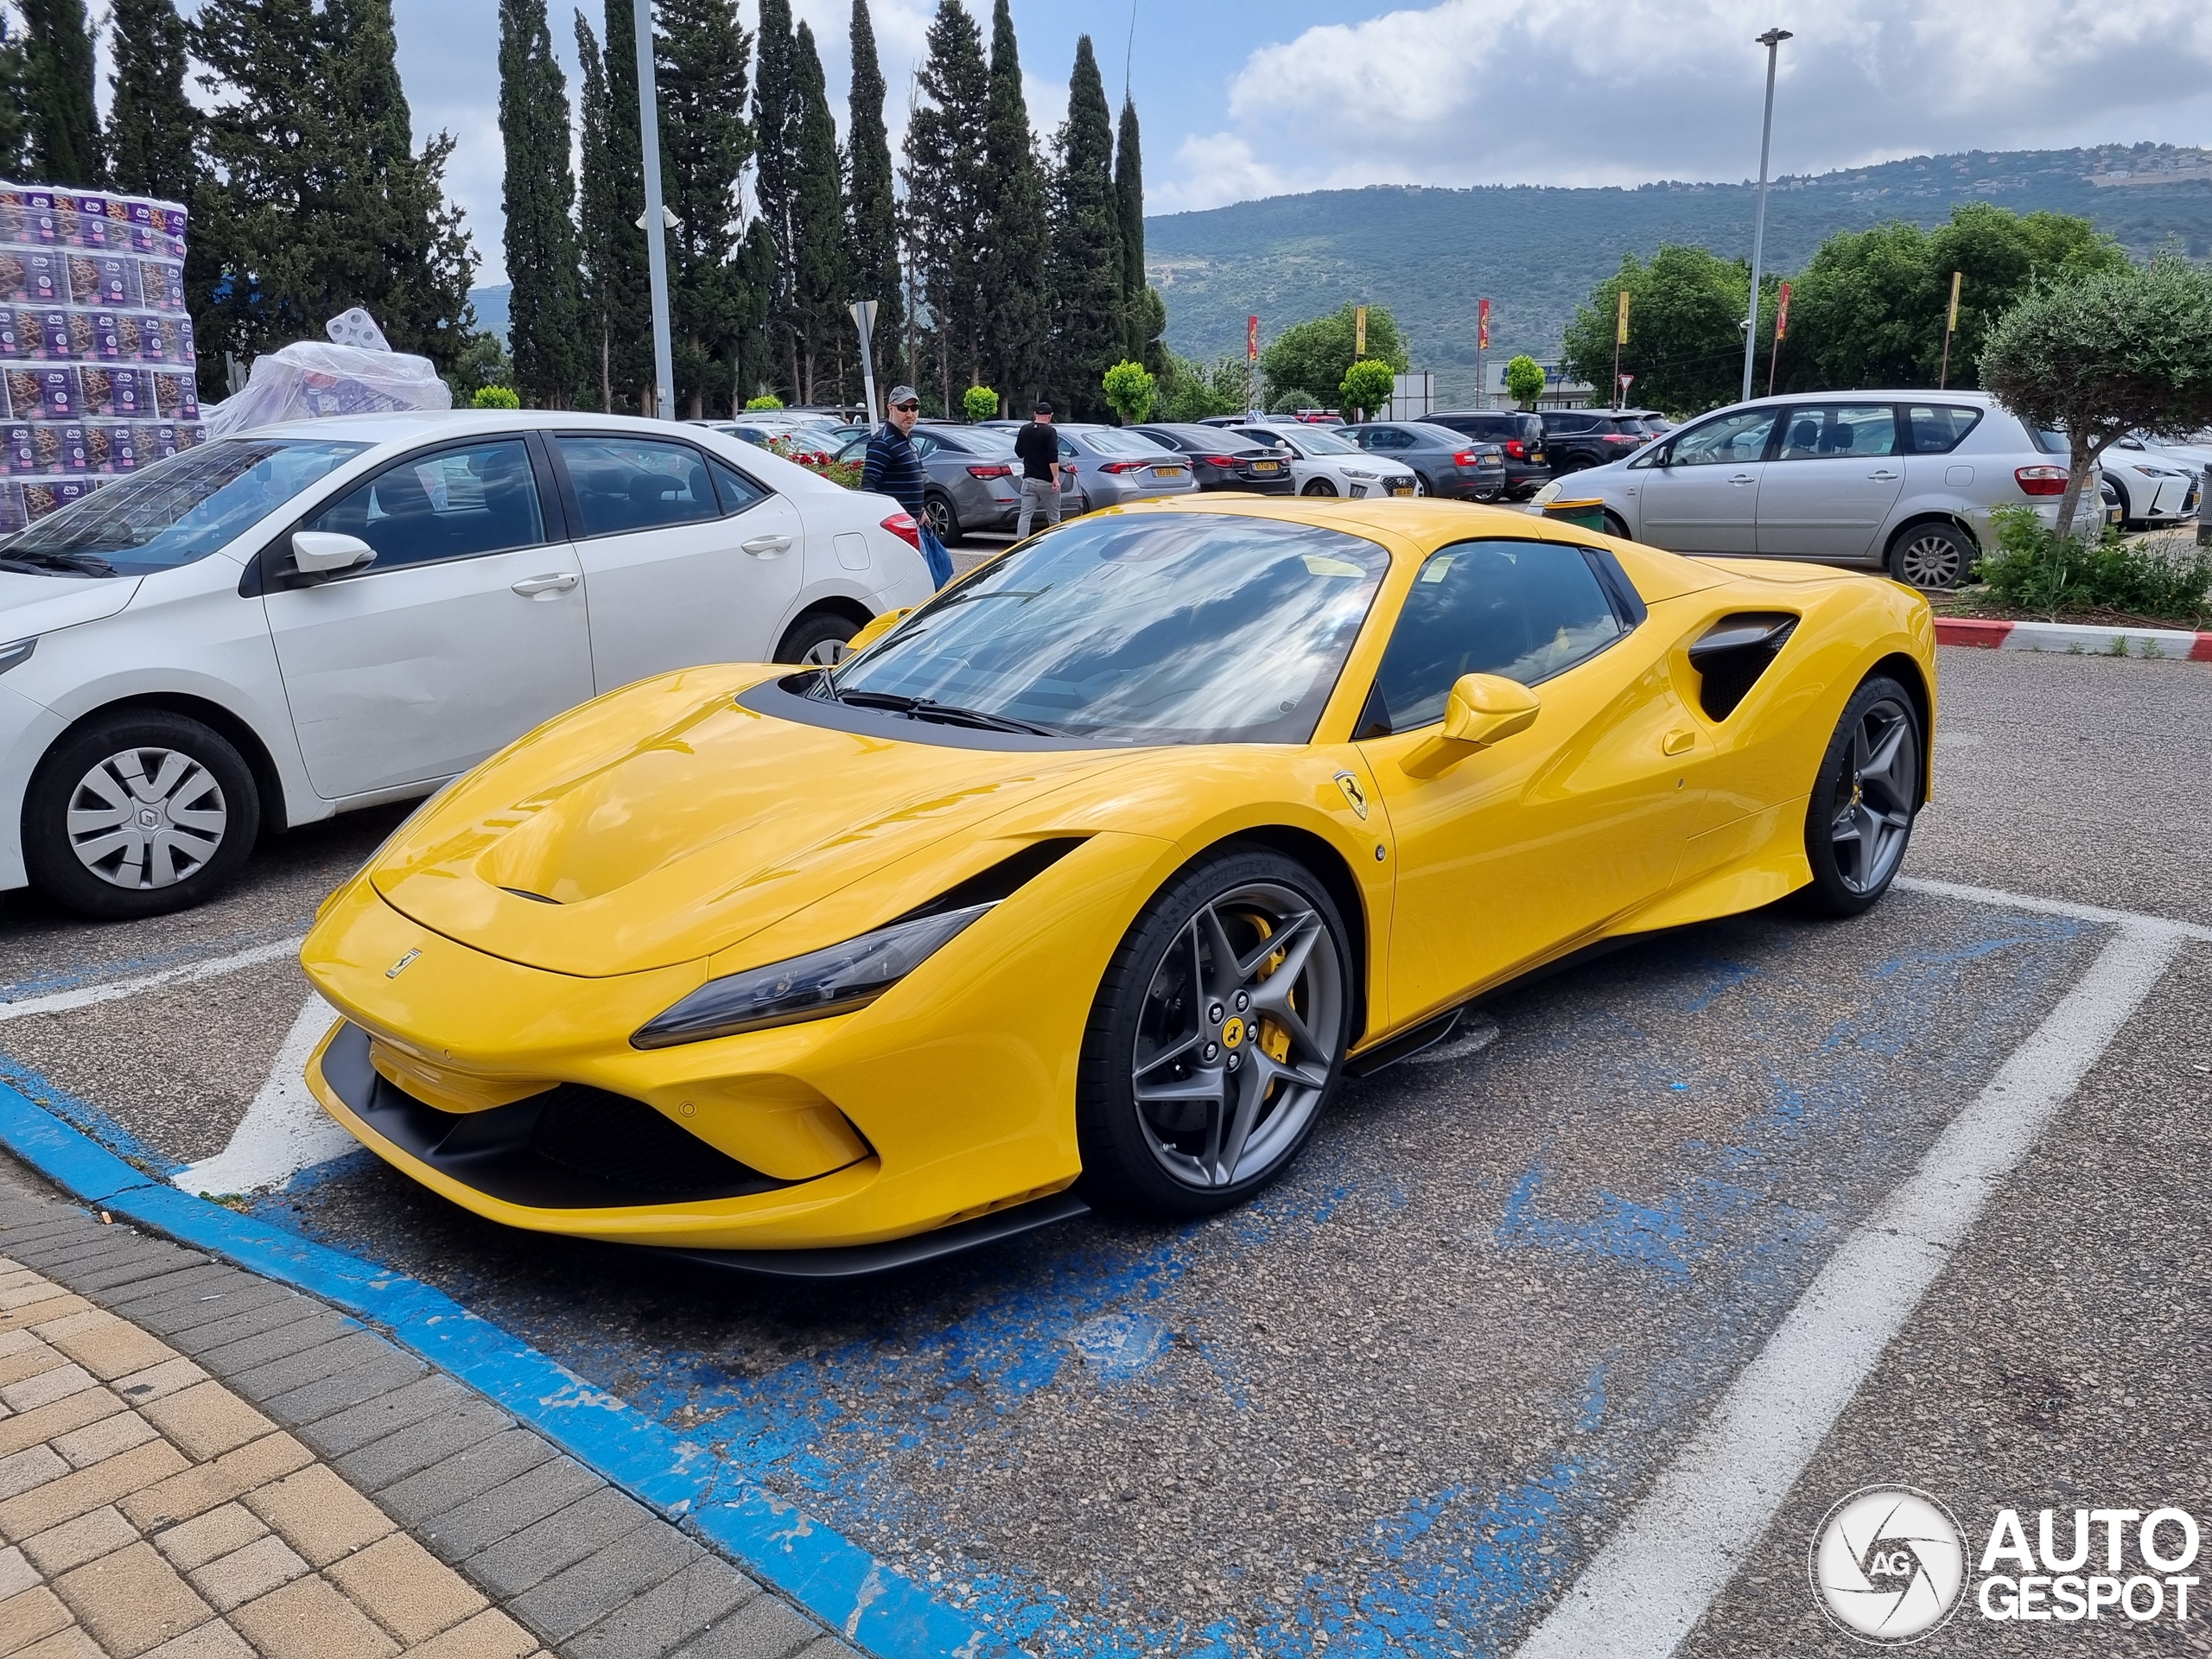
[945, 714]
[32, 561]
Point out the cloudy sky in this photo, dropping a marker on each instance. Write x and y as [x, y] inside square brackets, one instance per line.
[1246, 99]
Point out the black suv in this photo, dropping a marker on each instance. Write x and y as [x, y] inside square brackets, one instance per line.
[1518, 433]
[1575, 438]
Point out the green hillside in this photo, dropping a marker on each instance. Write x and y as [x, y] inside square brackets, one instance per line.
[1430, 254]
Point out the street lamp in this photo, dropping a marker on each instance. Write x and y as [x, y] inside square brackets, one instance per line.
[657, 219]
[1771, 40]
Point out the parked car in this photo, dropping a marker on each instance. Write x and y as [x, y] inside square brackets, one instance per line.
[1323, 462]
[1444, 463]
[1903, 479]
[811, 438]
[974, 481]
[318, 615]
[2158, 483]
[1220, 458]
[1108, 466]
[1575, 438]
[1518, 432]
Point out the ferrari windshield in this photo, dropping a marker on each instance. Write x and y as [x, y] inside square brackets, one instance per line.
[1182, 628]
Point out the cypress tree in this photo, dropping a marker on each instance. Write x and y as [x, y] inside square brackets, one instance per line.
[943, 173]
[544, 319]
[700, 67]
[64, 135]
[317, 200]
[152, 127]
[1087, 268]
[775, 166]
[819, 251]
[14, 99]
[617, 293]
[874, 212]
[1129, 198]
[1017, 317]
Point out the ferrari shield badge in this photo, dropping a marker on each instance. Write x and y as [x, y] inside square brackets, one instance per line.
[1353, 794]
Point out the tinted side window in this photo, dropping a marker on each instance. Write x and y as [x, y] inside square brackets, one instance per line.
[1936, 429]
[1845, 430]
[737, 490]
[1732, 438]
[626, 484]
[450, 506]
[1524, 610]
[1568, 421]
[1392, 437]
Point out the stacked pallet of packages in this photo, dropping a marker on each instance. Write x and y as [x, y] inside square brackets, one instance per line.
[96, 355]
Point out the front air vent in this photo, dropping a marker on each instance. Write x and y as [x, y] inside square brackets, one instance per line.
[1732, 654]
[1000, 881]
[535, 898]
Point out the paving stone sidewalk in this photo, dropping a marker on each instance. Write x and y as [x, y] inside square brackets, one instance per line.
[198, 1463]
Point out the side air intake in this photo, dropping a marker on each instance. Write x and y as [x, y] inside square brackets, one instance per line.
[1732, 654]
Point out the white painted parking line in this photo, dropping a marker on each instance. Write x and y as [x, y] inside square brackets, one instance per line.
[2052, 907]
[85, 996]
[285, 1130]
[1677, 1549]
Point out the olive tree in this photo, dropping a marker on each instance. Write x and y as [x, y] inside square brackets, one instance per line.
[2098, 354]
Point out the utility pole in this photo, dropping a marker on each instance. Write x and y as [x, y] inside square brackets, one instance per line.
[1772, 41]
[656, 217]
[1950, 327]
[864, 319]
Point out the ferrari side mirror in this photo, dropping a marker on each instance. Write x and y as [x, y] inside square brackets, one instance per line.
[1485, 708]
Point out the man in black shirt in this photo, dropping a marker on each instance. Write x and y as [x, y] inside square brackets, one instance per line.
[1037, 448]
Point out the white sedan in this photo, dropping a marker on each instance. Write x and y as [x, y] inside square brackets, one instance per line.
[2158, 483]
[1321, 463]
[292, 622]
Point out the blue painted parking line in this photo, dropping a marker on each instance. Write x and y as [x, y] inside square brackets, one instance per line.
[841, 1585]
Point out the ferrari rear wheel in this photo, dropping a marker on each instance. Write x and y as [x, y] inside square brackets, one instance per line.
[1860, 820]
[1217, 1039]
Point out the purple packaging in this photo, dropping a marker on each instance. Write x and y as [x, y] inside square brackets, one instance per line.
[45, 278]
[114, 447]
[67, 490]
[92, 222]
[157, 442]
[118, 280]
[189, 433]
[186, 347]
[119, 391]
[54, 336]
[161, 283]
[155, 334]
[107, 336]
[18, 333]
[13, 518]
[73, 453]
[175, 397]
[18, 455]
[41, 219]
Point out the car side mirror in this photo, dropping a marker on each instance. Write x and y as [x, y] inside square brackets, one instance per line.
[1485, 709]
[323, 553]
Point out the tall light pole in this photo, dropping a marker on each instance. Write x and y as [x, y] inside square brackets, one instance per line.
[656, 215]
[1771, 40]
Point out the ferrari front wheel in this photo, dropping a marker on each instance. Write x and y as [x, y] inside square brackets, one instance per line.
[1859, 819]
[1217, 1039]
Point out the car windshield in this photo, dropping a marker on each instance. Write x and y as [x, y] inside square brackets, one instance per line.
[1111, 440]
[178, 510]
[1181, 628]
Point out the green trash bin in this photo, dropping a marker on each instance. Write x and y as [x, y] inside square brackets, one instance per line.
[1583, 515]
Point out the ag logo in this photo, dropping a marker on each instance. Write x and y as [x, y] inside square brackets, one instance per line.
[1888, 1564]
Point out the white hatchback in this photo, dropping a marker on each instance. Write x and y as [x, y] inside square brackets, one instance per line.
[1324, 463]
[292, 622]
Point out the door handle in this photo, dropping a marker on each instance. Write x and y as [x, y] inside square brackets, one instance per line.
[1743, 478]
[1678, 742]
[1886, 474]
[532, 586]
[767, 547]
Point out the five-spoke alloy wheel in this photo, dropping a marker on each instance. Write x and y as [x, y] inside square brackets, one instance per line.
[1860, 820]
[1217, 1038]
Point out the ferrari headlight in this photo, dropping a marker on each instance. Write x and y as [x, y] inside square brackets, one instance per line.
[837, 980]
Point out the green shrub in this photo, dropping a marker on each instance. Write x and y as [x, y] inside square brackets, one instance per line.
[2031, 569]
[980, 404]
[495, 397]
[1524, 379]
[765, 400]
[1129, 387]
[1367, 388]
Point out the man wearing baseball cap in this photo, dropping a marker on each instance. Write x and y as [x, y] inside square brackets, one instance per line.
[893, 470]
[1037, 448]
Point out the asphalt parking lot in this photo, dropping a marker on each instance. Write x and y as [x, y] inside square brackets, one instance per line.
[1428, 1382]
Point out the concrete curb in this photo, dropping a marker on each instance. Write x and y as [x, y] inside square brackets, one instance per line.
[680, 1480]
[2078, 638]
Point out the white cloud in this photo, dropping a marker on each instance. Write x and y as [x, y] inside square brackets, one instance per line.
[1465, 92]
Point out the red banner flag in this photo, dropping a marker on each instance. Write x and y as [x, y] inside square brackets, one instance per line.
[1782, 313]
[1251, 339]
[1482, 327]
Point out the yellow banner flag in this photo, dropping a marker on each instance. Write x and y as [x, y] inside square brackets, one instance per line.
[1620, 329]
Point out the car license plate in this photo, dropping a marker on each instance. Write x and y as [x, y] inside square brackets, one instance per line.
[1167, 472]
[1401, 489]
[1267, 466]
[1536, 456]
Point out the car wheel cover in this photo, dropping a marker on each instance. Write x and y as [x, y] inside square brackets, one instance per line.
[1931, 559]
[146, 818]
[1228, 1069]
[939, 513]
[824, 653]
[1878, 780]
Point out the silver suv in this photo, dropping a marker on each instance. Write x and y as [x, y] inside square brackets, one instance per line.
[1904, 480]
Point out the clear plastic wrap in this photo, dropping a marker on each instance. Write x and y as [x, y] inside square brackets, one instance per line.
[313, 378]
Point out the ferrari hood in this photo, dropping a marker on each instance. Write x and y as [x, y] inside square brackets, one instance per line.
[665, 823]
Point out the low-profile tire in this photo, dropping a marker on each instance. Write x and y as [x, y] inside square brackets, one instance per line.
[1932, 556]
[1209, 1059]
[816, 640]
[938, 510]
[1860, 820]
[1318, 487]
[138, 813]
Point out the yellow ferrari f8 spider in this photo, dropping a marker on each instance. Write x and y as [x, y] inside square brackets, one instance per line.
[1096, 872]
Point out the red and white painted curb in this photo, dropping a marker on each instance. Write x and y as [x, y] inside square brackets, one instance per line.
[2079, 639]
